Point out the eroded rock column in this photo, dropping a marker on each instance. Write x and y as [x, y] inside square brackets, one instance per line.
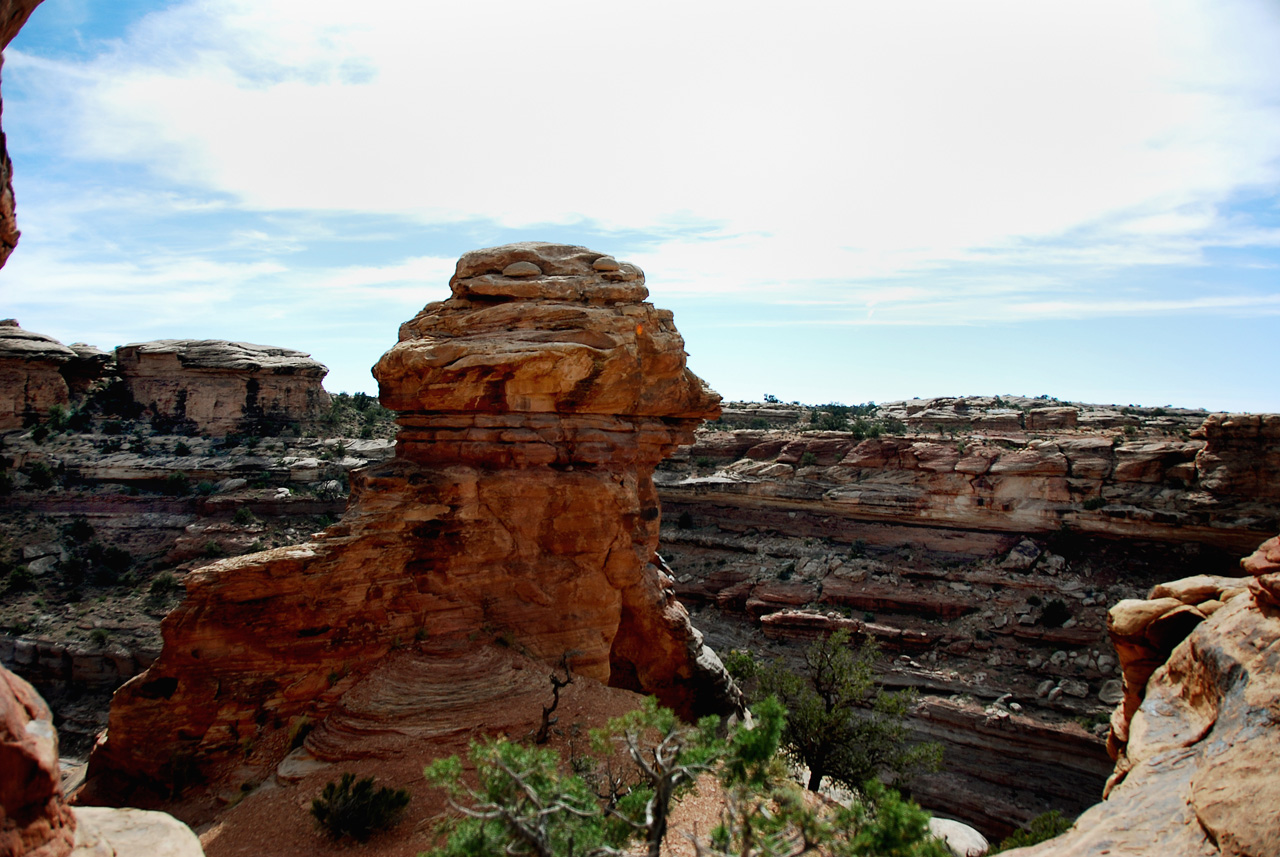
[520, 508]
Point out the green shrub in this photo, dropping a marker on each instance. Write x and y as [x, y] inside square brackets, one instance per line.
[808, 460]
[1042, 827]
[163, 584]
[20, 578]
[1093, 504]
[40, 433]
[702, 461]
[177, 484]
[41, 475]
[204, 488]
[78, 531]
[181, 448]
[57, 417]
[98, 636]
[350, 808]
[244, 516]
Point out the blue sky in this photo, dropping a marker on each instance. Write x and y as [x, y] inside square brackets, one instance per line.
[840, 201]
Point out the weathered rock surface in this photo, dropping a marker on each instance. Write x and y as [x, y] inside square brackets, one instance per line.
[221, 387]
[519, 508]
[1215, 486]
[1198, 742]
[34, 818]
[13, 14]
[107, 832]
[30, 378]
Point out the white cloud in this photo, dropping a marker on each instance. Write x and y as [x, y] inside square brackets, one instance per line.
[896, 130]
[857, 163]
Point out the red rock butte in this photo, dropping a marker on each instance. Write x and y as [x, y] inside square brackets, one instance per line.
[520, 508]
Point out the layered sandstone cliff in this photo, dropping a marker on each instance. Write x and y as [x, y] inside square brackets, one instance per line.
[219, 387]
[1213, 486]
[520, 508]
[31, 380]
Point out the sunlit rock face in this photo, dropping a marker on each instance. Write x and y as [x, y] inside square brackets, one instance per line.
[1197, 737]
[219, 387]
[520, 508]
[13, 14]
[34, 818]
[31, 380]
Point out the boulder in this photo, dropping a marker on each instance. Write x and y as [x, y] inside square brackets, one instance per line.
[960, 839]
[108, 832]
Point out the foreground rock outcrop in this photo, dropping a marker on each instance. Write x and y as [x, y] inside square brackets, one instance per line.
[519, 509]
[13, 14]
[34, 818]
[1197, 738]
[219, 387]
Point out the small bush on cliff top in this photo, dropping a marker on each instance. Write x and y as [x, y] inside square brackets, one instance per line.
[350, 808]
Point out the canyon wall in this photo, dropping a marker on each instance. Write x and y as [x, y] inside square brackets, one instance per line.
[981, 554]
[1212, 486]
[519, 510]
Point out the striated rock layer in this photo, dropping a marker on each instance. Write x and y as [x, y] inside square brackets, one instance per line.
[1197, 737]
[1216, 486]
[221, 387]
[520, 508]
[31, 380]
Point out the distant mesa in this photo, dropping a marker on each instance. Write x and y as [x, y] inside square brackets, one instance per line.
[207, 385]
[222, 387]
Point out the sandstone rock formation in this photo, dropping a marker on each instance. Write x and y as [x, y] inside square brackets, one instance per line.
[30, 378]
[34, 818]
[13, 14]
[520, 509]
[220, 387]
[1197, 737]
